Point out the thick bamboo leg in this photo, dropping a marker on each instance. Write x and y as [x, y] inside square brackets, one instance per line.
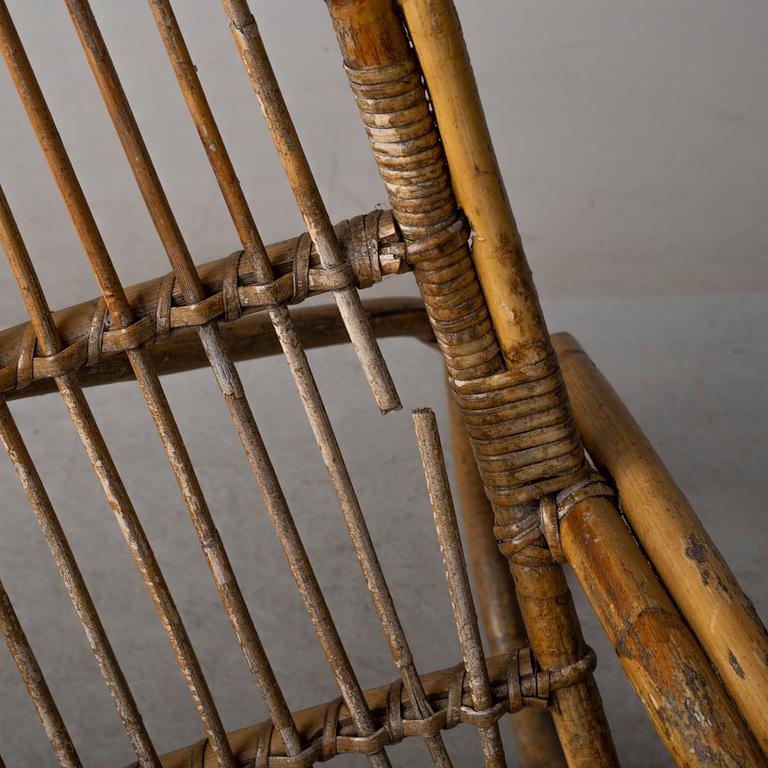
[698, 723]
[687, 560]
[533, 729]
[384, 75]
[520, 426]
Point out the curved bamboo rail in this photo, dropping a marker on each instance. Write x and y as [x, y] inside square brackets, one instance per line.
[687, 560]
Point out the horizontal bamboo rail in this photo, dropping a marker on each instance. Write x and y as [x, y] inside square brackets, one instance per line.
[516, 683]
[687, 560]
[370, 242]
[253, 336]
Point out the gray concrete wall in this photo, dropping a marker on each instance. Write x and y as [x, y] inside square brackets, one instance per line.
[633, 142]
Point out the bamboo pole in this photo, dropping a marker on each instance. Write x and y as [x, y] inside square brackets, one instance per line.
[512, 302]
[687, 560]
[496, 247]
[683, 696]
[533, 729]
[384, 77]
[455, 567]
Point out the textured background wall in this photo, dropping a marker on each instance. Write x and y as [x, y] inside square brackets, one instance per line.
[633, 140]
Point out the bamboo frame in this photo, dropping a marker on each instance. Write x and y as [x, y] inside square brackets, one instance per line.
[523, 471]
[376, 57]
[372, 40]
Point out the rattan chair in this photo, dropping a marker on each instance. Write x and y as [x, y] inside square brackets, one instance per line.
[524, 408]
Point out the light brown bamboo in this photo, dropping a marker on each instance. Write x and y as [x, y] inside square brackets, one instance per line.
[496, 247]
[533, 729]
[513, 304]
[372, 39]
[455, 567]
[246, 35]
[296, 358]
[687, 560]
[29, 669]
[229, 384]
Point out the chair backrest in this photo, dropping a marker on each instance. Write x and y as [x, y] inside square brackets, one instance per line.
[50, 352]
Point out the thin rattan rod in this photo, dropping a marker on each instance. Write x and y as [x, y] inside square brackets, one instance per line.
[224, 370]
[458, 581]
[70, 574]
[243, 220]
[288, 146]
[32, 675]
[143, 368]
[13, 245]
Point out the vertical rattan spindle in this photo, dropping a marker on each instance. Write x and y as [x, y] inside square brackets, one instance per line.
[248, 40]
[142, 366]
[455, 566]
[42, 327]
[32, 675]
